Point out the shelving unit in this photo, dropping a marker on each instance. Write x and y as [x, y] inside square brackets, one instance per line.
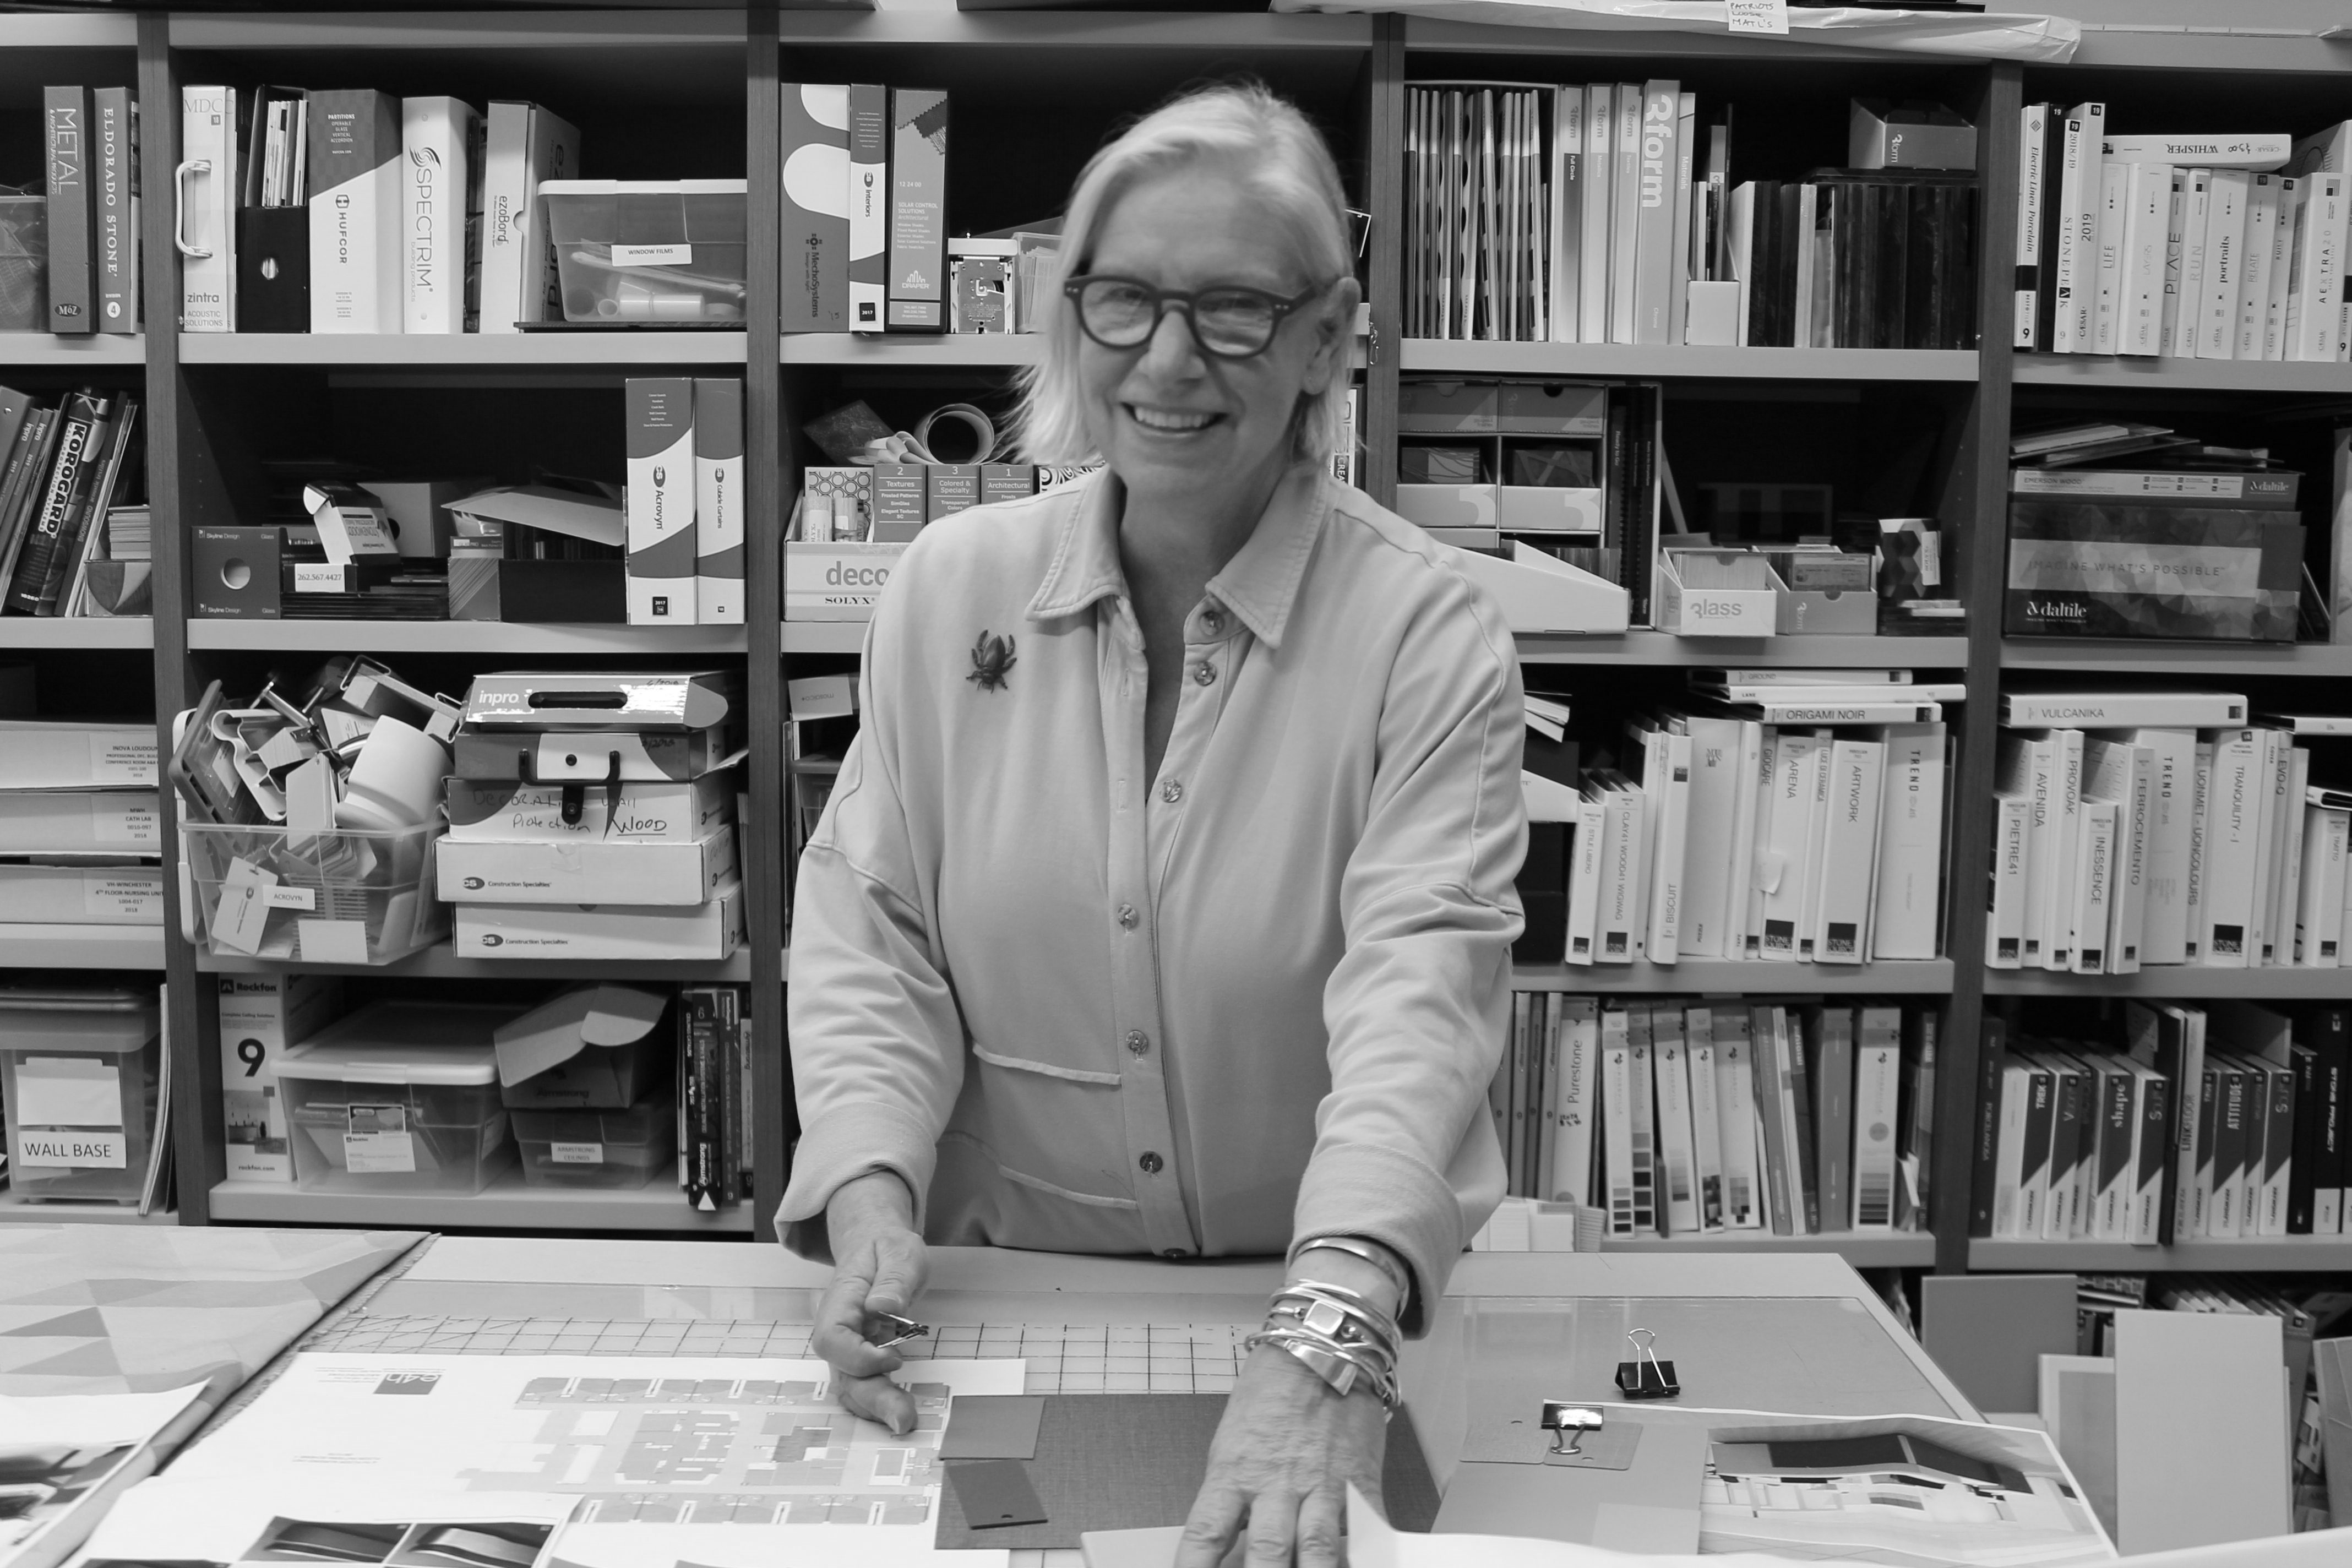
[15, 1210]
[1351, 70]
[2278, 1254]
[440, 964]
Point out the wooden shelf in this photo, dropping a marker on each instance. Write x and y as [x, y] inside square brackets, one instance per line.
[953, 348]
[1902, 1249]
[15, 1210]
[1652, 360]
[1927, 977]
[440, 964]
[2272, 1254]
[440, 32]
[43, 351]
[460, 349]
[69, 32]
[465, 637]
[2178, 980]
[24, 946]
[2107, 373]
[1220, 32]
[1647, 648]
[2243, 660]
[77, 631]
[508, 1204]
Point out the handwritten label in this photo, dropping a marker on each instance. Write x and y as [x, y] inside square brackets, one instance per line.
[576, 1153]
[660, 255]
[1759, 17]
[83, 1150]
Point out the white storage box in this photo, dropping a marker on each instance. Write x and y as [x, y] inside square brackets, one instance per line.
[83, 895]
[613, 872]
[652, 811]
[706, 932]
[838, 581]
[1451, 505]
[1750, 610]
[399, 1096]
[102, 822]
[80, 1073]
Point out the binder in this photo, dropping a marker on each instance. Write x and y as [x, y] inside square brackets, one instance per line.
[718, 500]
[67, 149]
[355, 217]
[662, 590]
[815, 172]
[869, 198]
[206, 201]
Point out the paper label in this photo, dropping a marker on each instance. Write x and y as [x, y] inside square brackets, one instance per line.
[243, 911]
[122, 901]
[292, 898]
[84, 1151]
[317, 577]
[1759, 17]
[653, 256]
[125, 819]
[377, 1142]
[2093, 566]
[576, 1153]
[122, 759]
[332, 942]
[68, 1091]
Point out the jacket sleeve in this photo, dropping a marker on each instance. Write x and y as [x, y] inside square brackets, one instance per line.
[877, 1038]
[1405, 1152]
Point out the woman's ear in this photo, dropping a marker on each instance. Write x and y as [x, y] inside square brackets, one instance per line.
[1334, 320]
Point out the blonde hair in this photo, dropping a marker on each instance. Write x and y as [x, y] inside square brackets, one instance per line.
[1279, 156]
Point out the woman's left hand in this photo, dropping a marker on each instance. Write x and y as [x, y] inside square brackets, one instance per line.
[1279, 1467]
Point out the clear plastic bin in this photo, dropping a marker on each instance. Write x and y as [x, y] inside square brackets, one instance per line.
[608, 1149]
[399, 1096]
[649, 250]
[346, 897]
[78, 1069]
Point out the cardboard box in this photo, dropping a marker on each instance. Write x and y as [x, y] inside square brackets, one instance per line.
[591, 1047]
[104, 822]
[1551, 408]
[1832, 612]
[952, 488]
[1447, 407]
[820, 697]
[260, 1016]
[484, 586]
[76, 753]
[981, 285]
[1750, 610]
[590, 759]
[606, 871]
[1541, 593]
[234, 572]
[419, 510]
[901, 502]
[82, 895]
[1883, 135]
[837, 581]
[608, 932]
[1007, 481]
[659, 811]
[1532, 509]
[1451, 505]
[2094, 569]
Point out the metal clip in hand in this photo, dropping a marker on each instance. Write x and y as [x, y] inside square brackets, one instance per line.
[1645, 1376]
[885, 1329]
[1567, 1424]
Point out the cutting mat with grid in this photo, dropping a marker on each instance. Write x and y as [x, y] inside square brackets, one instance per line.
[1079, 1358]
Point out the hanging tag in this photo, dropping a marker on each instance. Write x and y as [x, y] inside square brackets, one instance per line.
[243, 910]
[377, 1142]
[1759, 17]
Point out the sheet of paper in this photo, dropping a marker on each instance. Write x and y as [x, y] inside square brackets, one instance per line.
[66, 1455]
[69, 1092]
[166, 1520]
[757, 1448]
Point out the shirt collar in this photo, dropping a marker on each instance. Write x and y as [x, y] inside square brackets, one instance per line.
[1259, 585]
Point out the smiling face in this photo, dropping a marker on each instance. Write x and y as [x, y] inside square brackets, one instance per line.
[1171, 422]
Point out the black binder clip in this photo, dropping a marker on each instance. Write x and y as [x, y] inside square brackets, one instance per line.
[1645, 1376]
[1567, 1424]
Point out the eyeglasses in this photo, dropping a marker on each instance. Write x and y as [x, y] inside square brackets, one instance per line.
[1228, 321]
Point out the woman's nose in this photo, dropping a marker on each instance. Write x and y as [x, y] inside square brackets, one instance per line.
[1171, 354]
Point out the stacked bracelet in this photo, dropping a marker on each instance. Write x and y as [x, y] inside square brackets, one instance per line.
[1338, 1334]
[1378, 1256]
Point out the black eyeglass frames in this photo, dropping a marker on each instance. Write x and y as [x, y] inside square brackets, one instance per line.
[1229, 321]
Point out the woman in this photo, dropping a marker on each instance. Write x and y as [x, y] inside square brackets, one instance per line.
[1164, 902]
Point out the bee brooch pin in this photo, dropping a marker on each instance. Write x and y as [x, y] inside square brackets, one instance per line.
[991, 657]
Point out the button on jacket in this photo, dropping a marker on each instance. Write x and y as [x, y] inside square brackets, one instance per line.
[1258, 997]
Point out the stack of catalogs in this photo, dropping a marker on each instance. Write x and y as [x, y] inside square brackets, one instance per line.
[593, 815]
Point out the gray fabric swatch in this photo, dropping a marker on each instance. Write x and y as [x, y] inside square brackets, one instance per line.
[995, 1494]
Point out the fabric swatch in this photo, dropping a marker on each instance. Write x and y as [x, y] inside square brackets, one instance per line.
[992, 1426]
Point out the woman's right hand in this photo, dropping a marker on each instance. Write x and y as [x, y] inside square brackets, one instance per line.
[878, 1266]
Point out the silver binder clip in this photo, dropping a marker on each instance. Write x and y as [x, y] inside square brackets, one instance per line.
[1645, 1376]
[1567, 1424]
[884, 1329]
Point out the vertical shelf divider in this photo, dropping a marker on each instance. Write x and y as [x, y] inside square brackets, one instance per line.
[199, 1151]
[1385, 199]
[1979, 493]
[764, 499]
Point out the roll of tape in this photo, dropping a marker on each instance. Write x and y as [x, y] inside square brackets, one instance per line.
[983, 433]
